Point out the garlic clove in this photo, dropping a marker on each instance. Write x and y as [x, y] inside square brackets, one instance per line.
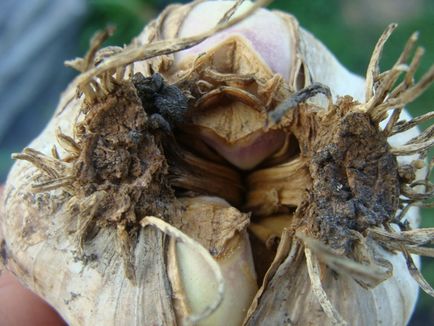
[247, 152]
[200, 288]
[221, 229]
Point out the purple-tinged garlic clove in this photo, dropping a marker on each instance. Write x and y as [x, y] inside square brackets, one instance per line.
[249, 151]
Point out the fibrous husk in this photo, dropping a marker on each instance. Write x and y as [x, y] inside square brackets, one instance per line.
[157, 162]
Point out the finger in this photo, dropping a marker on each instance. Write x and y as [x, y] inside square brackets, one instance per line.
[19, 306]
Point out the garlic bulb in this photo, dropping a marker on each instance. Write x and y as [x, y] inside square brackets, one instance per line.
[216, 172]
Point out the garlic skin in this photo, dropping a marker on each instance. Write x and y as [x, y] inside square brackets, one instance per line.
[92, 288]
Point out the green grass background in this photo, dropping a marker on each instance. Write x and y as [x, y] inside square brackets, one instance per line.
[349, 28]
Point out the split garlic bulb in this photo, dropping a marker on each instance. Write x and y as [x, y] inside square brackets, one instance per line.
[224, 168]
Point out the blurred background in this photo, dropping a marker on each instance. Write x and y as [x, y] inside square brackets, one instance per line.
[36, 36]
